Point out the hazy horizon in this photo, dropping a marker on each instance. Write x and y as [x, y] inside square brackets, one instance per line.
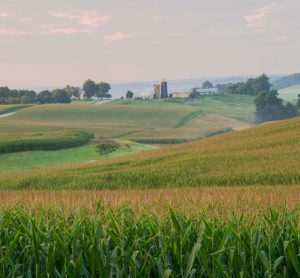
[51, 43]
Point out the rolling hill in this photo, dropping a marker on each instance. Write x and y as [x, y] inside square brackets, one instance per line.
[264, 155]
[136, 120]
[287, 81]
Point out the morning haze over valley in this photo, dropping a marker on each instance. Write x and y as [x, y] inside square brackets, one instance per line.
[149, 138]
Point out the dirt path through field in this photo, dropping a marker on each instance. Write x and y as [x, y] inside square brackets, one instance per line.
[7, 114]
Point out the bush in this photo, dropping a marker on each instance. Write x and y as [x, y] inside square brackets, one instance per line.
[106, 146]
[43, 141]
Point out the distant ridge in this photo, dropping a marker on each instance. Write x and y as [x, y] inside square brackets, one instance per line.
[287, 81]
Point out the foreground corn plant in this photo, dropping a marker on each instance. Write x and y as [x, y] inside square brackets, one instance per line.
[118, 244]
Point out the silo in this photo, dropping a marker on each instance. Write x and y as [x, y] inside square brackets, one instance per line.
[157, 91]
[164, 89]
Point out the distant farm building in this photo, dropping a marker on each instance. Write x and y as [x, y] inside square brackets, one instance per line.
[182, 95]
[206, 91]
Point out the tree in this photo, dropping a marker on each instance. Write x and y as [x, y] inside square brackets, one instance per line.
[45, 97]
[129, 95]
[72, 91]
[207, 85]
[61, 96]
[90, 87]
[270, 107]
[106, 146]
[102, 90]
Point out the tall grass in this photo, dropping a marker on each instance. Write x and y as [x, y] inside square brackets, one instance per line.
[117, 244]
[43, 141]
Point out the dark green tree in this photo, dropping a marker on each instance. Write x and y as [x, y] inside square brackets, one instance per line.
[72, 91]
[45, 97]
[270, 107]
[129, 95]
[102, 90]
[90, 87]
[207, 85]
[61, 96]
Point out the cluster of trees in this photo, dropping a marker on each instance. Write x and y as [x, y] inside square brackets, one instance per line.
[253, 86]
[99, 90]
[91, 88]
[8, 96]
[270, 107]
[55, 96]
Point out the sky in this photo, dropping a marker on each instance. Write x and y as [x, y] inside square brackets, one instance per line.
[60, 42]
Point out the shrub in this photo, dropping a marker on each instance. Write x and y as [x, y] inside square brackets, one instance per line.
[106, 146]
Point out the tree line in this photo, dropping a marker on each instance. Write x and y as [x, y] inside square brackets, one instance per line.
[90, 89]
[252, 87]
[269, 106]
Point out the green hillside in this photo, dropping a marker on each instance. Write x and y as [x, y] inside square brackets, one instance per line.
[268, 154]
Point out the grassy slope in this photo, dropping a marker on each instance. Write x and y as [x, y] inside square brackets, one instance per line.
[43, 159]
[268, 154]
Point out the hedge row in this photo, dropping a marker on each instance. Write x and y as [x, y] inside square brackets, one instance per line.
[43, 141]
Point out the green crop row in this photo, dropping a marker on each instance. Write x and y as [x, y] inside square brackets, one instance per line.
[43, 141]
[118, 244]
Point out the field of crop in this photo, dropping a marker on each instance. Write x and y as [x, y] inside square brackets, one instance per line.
[176, 211]
[47, 243]
[216, 202]
[43, 141]
[266, 155]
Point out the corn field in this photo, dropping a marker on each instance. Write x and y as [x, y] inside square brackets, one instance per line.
[43, 141]
[116, 243]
